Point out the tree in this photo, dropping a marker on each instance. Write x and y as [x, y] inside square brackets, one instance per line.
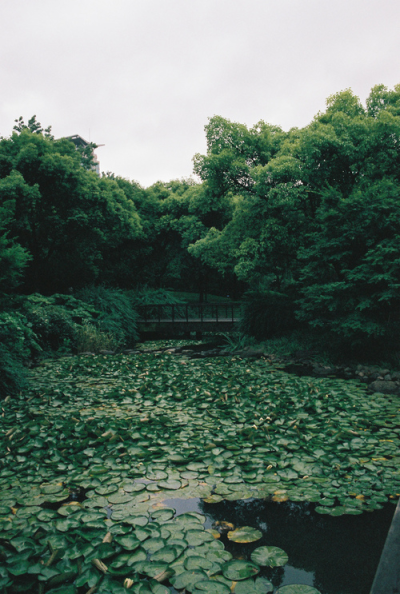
[13, 257]
[63, 215]
[313, 212]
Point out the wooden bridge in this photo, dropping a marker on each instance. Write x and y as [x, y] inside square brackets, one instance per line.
[173, 318]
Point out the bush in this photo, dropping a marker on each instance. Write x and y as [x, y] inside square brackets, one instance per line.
[55, 320]
[93, 340]
[266, 314]
[17, 343]
[117, 315]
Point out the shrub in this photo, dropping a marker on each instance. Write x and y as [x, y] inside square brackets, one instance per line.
[92, 339]
[55, 320]
[117, 316]
[17, 343]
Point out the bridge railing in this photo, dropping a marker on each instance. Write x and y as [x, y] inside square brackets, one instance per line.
[189, 312]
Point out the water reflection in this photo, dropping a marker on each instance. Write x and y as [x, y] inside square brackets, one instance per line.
[336, 555]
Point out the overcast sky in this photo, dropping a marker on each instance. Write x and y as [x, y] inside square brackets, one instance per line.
[142, 77]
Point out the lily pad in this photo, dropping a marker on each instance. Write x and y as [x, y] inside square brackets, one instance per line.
[129, 542]
[297, 589]
[134, 487]
[163, 515]
[188, 579]
[170, 484]
[167, 554]
[269, 556]
[245, 534]
[196, 562]
[238, 569]
[120, 498]
[258, 586]
[211, 587]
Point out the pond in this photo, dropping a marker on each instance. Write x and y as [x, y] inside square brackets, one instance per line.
[336, 555]
[151, 471]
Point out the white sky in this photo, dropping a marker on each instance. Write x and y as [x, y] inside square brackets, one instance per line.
[144, 76]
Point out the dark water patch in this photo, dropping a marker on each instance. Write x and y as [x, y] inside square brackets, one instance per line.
[336, 555]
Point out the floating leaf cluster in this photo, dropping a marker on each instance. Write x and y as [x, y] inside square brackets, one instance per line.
[97, 445]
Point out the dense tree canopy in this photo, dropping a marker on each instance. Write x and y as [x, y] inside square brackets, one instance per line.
[315, 209]
[310, 213]
[62, 215]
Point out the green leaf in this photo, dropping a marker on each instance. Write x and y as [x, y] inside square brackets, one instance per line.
[188, 579]
[238, 569]
[258, 586]
[170, 484]
[130, 542]
[19, 568]
[244, 534]
[269, 556]
[297, 589]
[211, 587]
[167, 554]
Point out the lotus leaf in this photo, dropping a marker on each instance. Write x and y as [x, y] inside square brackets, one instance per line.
[151, 545]
[188, 579]
[135, 487]
[157, 588]
[129, 542]
[137, 520]
[244, 534]
[167, 554]
[269, 556]
[156, 475]
[163, 515]
[197, 562]
[170, 484]
[258, 586]
[297, 589]
[211, 587]
[238, 569]
[120, 497]
[107, 490]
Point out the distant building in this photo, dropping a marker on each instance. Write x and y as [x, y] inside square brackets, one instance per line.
[80, 142]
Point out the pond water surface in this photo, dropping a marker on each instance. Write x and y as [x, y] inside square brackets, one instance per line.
[336, 555]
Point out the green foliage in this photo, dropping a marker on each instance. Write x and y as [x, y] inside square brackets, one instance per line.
[316, 209]
[17, 343]
[68, 220]
[117, 319]
[129, 432]
[350, 275]
[13, 257]
[149, 296]
[55, 320]
[91, 339]
[236, 341]
[266, 314]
